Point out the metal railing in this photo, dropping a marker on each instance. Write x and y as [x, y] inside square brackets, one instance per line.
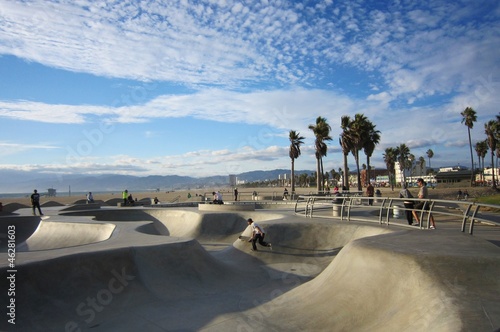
[386, 210]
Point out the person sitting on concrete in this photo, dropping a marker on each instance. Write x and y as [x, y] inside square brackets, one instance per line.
[217, 198]
[258, 235]
[130, 200]
[90, 198]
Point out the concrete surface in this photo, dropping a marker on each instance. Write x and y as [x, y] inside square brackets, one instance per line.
[165, 269]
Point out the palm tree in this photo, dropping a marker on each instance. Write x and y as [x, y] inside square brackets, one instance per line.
[322, 133]
[359, 130]
[295, 142]
[353, 138]
[421, 161]
[345, 143]
[372, 140]
[430, 154]
[402, 154]
[390, 157]
[491, 129]
[469, 117]
[481, 151]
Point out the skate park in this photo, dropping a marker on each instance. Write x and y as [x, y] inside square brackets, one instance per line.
[183, 268]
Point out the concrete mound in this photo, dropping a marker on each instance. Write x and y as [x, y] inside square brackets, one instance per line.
[12, 207]
[51, 204]
[387, 283]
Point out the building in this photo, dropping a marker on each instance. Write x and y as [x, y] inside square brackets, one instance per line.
[453, 174]
[232, 180]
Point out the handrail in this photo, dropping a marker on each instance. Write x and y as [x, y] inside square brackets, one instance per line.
[348, 208]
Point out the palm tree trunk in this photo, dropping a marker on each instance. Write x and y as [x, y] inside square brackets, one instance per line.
[360, 188]
[346, 173]
[293, 176]
[318, 175]
[322, 186]
[471, 159]
[367, 170]
[493, 171]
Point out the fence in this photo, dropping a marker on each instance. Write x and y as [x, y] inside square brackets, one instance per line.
[387, 210]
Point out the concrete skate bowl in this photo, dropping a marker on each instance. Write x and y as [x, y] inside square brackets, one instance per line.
[320, 275]
[33, 234]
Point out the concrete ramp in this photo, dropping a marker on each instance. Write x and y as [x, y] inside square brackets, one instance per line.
[396, 282]
[320, 276]
[54, 235]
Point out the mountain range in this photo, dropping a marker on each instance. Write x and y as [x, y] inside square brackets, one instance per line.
[25, 182]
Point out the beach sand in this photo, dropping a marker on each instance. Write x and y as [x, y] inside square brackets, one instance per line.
[245, 194]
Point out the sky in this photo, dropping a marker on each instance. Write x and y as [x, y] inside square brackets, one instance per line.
[213, 87]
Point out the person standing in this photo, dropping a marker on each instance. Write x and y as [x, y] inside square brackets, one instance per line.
[285, 194]
[370, 191]
[423, 194]
[258, 235]
[35, 202]
[125, 196]
[408, 204]
[235, 194]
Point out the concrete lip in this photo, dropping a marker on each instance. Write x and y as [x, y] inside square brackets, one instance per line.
[184, 269]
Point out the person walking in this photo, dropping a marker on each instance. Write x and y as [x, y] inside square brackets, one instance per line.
[258, 235]
[423, 194]
[35, 202]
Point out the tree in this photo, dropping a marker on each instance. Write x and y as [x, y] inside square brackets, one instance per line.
[372, 140]
[469, 117]
[344, 142]
[430, 154]
[390, 156]
[491, 129]
[421, 162]
[409, 165]
[322, 133]
[481, 151]
[295, 142]
[355, 135]
[402, 154]
[358, 131]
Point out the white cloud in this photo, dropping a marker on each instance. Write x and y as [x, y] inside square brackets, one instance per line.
[415, 66]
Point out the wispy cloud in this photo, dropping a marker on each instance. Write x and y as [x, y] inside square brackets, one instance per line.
[411, 68]
[230, 43]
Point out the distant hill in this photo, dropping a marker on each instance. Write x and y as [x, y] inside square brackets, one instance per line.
[25, 182]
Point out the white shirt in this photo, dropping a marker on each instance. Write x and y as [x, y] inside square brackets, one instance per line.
[257, 229]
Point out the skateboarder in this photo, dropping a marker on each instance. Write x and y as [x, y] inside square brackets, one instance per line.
[258, 234]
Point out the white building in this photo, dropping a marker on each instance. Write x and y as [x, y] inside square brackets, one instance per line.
[417, 171]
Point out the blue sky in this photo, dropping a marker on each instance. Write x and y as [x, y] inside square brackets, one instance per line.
[213, 87]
